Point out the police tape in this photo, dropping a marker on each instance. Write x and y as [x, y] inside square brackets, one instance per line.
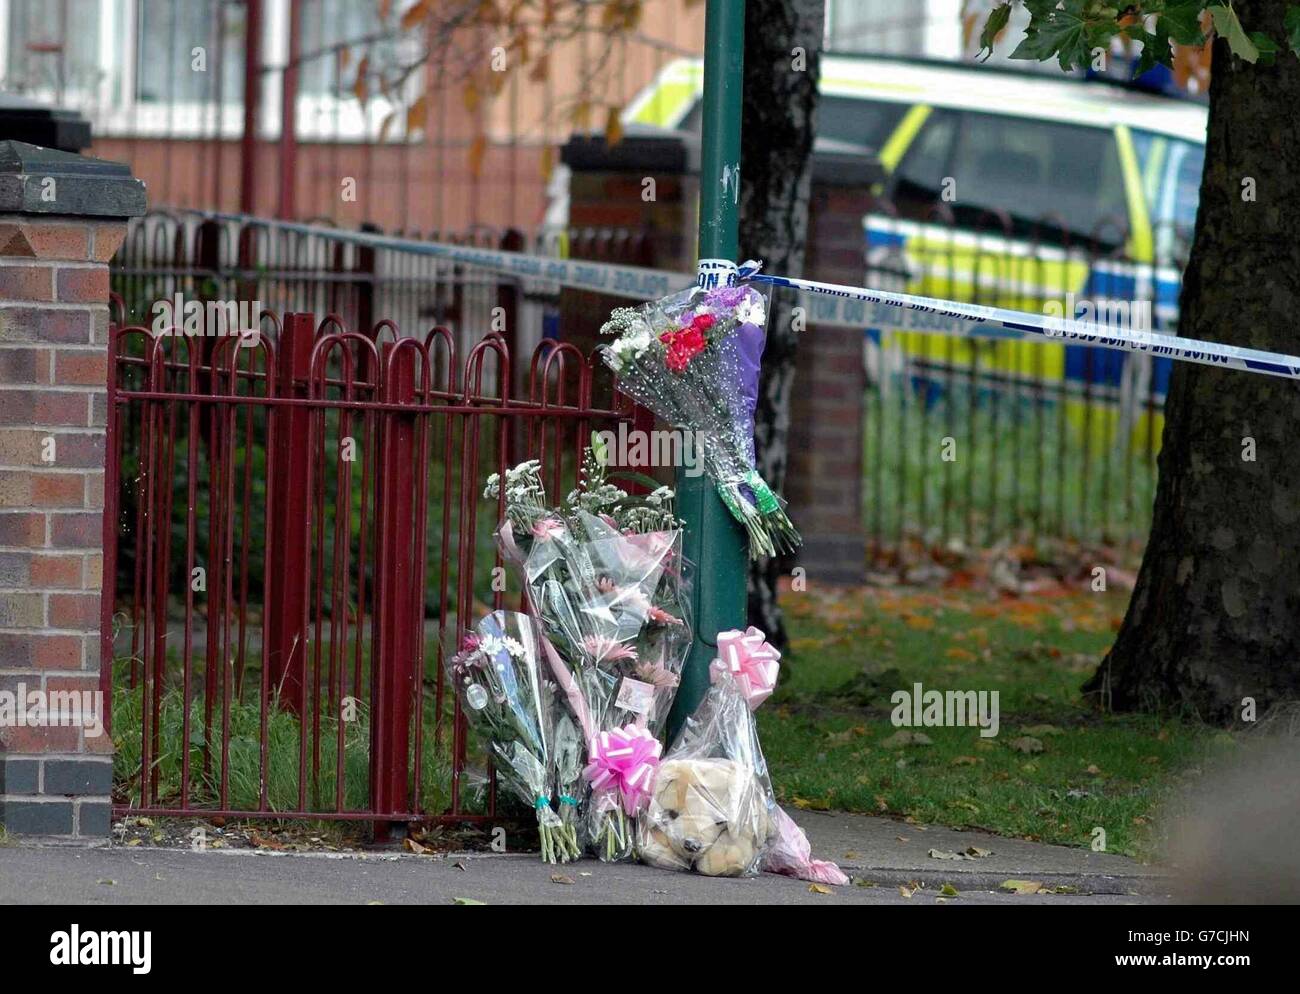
[926, 314]
[831, 304]
[636, 282]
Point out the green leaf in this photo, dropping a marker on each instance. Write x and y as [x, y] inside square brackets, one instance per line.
[1155, 48]
[1292, 24]
[1057, 33]
[632, 476]
[1181, 20]
[1228, 25]
[994, 26]
[1267, 47]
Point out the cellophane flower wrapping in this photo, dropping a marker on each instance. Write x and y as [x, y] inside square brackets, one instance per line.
[605, 576]
[503, 680]
[694, 359]
[712, 809]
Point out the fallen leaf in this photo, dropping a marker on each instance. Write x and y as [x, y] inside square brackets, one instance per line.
[560, 878]
[905, 891]
[1021, 886]
[412, 846]
[905, 738]
[135, 842]
[948, 890]
[1026, 743]
[819, 889]
[975, 852]
[966, 760]
[945, 854]
[264, 843]
[107, 882]
[463, 900]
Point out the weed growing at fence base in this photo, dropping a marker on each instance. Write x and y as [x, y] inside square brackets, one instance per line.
[829, 740]
[244, 771]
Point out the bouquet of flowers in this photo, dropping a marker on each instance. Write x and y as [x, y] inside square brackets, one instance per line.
[502, 681]
[604, 574]
[693, 358]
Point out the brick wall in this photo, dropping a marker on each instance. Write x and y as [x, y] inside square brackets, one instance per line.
[54, 777]
[55, 756]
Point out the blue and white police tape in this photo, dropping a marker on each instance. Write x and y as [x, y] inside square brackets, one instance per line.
[853, 307]
[636, 282]
[927, 314]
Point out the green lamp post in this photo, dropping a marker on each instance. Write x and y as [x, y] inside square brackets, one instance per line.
[714, 541]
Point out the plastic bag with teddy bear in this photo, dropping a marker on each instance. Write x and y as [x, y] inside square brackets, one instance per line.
[712, 810]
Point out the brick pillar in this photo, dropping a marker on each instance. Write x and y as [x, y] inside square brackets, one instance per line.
[62, 216]
[824, 478]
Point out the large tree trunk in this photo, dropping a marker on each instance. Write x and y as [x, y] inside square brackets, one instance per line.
[777, 134]
[1215, 616]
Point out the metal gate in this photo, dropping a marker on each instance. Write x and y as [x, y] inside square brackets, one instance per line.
[299, 539]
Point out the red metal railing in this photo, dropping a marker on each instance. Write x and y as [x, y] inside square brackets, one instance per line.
[297, 541]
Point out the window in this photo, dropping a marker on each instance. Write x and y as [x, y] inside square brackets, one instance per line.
[918, 182]
[190, 51]
[1047, 178]
[53, 47]
[860, 122]
[327, 24]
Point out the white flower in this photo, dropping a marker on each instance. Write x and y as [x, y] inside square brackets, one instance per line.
[752, 311]
[493, 645]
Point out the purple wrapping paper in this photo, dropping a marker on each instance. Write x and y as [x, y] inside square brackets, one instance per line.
[750, 339]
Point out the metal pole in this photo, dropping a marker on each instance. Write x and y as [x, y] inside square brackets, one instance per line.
[289, 117]
[252, 94]
[714, 541]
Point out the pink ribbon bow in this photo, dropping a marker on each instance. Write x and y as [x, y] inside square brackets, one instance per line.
[750, 661]
[625, 761]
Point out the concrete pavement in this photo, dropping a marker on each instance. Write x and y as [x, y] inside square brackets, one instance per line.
[879, 854]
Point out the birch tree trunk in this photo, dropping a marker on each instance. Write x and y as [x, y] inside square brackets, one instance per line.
[783, 40]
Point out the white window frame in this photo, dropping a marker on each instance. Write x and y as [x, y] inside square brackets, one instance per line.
[320, 118]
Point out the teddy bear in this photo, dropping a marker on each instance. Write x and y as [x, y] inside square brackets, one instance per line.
[706, 815]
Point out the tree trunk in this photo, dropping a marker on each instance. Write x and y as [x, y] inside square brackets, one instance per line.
[782, 63]
[1215, 615]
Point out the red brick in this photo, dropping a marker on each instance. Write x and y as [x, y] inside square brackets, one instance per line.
[40, 651]
[94, 493]
[59, 241]
[46, 572]
[76, 531]
[72, 450]
[74, 610]
[27, 282]
[80, 369]
[35, 741]
[57, 326]
[58, 489]
[28, 529]
[22, 366]
[21, 610]
[87, 284]
[107, 240]
[42, 407]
